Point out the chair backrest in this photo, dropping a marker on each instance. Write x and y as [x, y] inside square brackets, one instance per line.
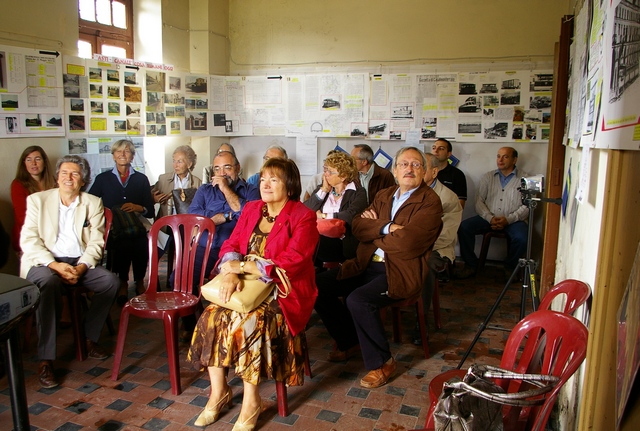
[564, 342]
[576, 292]
[186, 230]
[108, 221]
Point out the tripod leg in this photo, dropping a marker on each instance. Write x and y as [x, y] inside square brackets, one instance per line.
[483, 326]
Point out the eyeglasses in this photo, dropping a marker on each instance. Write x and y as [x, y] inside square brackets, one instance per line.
[226, 168]
[328, 171]
[405, 165]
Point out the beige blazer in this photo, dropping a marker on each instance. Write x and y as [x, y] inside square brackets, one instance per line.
[451, 218]
[165, 185]
[40, 230]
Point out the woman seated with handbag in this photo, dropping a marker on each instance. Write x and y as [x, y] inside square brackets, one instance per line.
[264, 343]
[181, 180]
[339, 197]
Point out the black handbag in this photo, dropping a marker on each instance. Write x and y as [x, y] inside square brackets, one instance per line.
[475, 403]
[182, 198]
[126, 225]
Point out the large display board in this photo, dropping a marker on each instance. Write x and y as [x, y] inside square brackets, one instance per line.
[105, 96]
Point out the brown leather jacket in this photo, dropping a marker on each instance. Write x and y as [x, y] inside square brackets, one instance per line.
[406, 250]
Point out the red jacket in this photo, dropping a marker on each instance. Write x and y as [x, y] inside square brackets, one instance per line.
[291, 245]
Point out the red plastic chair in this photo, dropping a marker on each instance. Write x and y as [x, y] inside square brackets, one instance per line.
[564, 347]
[186, 230]
[577, 293]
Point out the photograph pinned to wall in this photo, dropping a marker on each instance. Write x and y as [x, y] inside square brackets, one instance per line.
[195, 84]
[496, 131]
[516, 133]
[378, 130]
[113, 91]
[395, 135]
[155, 101]
[175, 127]
[119, 126]
[9, 124]
[76, 105]
[95, 74]
[402, 111]
[132, 94]
[32, 120]
[77, 123]
[174, 99]
[468, 105]
[113, 75]
[228, 126]
[133, 126]
[151, 130]
[510, 97]
[429, 127]
[53, 120]
[197, 121]
[77, 146]
[491, 101]
[133, 109]
[95, 91]
[518, 114]
[71, 85]
[175, 83]
[9, 102]
[96, 107]
[170, 111]
[358, 130]
[151, 117]
[219, 120]
[161, 130]
[331, 102]
[160, 118]
[130, 77]
[113, 108]
[155, 81]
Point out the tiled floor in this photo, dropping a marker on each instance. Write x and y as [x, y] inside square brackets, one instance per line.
[331, 400]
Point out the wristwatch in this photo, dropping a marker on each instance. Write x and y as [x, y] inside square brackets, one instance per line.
[228, 217]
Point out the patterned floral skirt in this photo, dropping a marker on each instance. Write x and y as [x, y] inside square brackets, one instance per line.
[258, 344]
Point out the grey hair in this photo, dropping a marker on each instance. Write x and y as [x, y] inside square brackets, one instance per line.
[85, 169]
[230, 150]
[191, 155]
[402, 150]
[432, 162]
[366, 153]
[279, 148]
[122, 143]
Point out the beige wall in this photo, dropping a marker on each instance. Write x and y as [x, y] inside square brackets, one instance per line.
[267, 34]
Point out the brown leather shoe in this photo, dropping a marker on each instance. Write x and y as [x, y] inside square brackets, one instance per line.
[95, 351]
[45, 375]
[377, 378]
[342, 355]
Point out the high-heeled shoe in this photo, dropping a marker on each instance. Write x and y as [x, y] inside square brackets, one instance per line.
[246, 425]
[210, 414]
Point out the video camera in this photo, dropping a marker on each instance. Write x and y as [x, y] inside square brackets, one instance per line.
[534, 184]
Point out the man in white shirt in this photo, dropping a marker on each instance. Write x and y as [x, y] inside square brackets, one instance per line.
[62, 240]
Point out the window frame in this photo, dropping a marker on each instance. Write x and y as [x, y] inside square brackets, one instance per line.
[98, 34]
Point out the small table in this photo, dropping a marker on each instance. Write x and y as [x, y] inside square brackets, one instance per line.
[18, 298]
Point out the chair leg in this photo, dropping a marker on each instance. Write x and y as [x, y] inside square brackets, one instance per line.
[122, 334]
[486, 241]
[281, 396]
[436, 304]
[423, 327]
[171, 341]
[75, 306]
[396, 324]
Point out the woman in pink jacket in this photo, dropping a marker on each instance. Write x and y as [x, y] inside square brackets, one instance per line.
[283, 231]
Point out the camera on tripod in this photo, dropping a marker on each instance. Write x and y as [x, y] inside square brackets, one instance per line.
[534, 184]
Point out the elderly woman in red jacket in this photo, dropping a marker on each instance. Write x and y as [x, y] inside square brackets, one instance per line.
[283, 231]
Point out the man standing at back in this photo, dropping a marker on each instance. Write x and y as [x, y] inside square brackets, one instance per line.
[499, 208]
[372, 177]
[448, 174]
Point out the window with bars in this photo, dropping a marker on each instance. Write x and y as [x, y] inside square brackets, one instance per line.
[106, 27]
